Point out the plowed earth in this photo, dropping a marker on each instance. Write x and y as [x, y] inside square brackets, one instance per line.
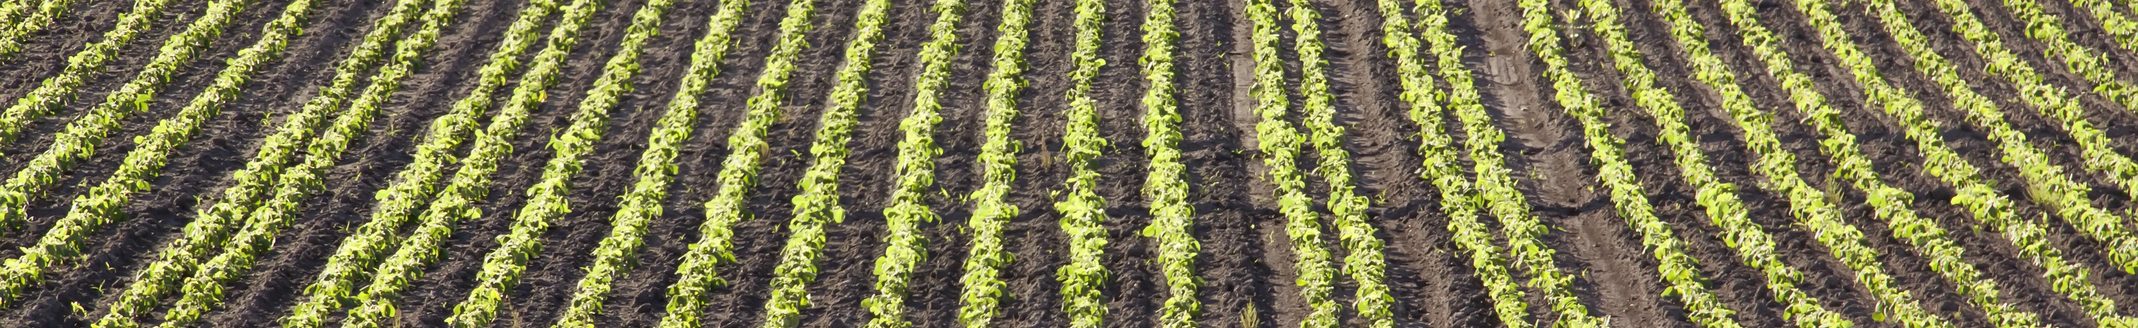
[1246, 261]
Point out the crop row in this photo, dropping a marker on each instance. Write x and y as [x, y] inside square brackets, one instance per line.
[17, 22]
[259, 222]
[1166, 185]
[204, 289]
[80, 138]
[11, 13]
[416, 183]
[1082, 210]
[214, 225]
[981, 298]
[905, 247]
[279, 150]
[455, 203]
[818, 204]
[1680, 270]
[1809, 204]
[738, 173]
[1494, 186]
[2079, 60]
[56, 91]
[211, 227]
[1280, 145]
[1363, 261]
[2048, 30]
[2067, 198]
[1892, 204]
[1457, 197]
[153, 150]
[656, 170]
[2118, 25]
[1975, 194]
[547, 200]
[1755, 247]
[1981, 199]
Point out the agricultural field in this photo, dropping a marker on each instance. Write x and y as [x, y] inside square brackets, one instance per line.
[1069, 163]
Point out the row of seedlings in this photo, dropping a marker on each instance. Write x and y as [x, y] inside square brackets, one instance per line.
[2119, 26]
[2068, 198]
[1364, 263]
[2056, 44]
[211, 227]
[818, 204]
[1677, 268]
[11, 13]
[1926, 237]
[203, 290]
[83, 65]
[2048, 30]
[79, 139]
[415, 184]
[747, 147]
[1755, 247]
[1973, 192]
[1810, 205]
[186, 264]
[1280, 145]
[1166, 185]
[981, 298]
[2046, 179]
[1494, 186]
[1363, 260]
[18, 20]
[1082, 210]
[656, 171]
[153, 150]
[547, 200]
[1457, 195]
[905, 247]
[2052, 101]
[457, 202]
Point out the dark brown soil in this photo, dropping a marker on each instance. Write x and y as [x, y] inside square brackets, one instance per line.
[2082, 29]
[1593, 239]
[44, 53]
[196, 169]
[1740, 286]
[1430, 279]
[48, 61]
[1246, 266]
[1972, 141]
[1269, 239]
[1826, 278]
[368, 167]
[1034, 295]
[1899, 165]
[640, 296]
[1136, 282]
[1234, 276]
[935, 295]
[2045, 135]
[473, 240]
[2104, 114]
[547, 285]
